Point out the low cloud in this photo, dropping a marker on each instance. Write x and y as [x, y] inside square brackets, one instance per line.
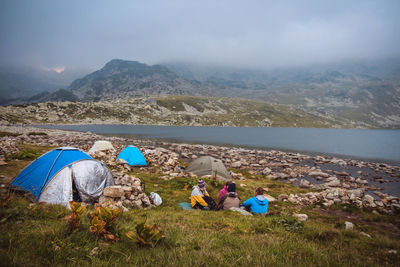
[238, 33]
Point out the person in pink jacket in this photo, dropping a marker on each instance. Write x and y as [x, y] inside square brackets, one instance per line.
[224, 191]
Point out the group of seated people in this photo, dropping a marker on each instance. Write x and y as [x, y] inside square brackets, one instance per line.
[228, 198]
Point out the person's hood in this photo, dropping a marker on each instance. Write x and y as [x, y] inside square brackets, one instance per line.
[261, 200]
[196, 191]
[232, 194]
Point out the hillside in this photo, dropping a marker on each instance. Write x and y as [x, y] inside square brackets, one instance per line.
[366, 92]
[121, 79]
[168, 110]
[363, 94]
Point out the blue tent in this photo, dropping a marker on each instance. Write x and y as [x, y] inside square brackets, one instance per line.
[36, 175]
[132, 156]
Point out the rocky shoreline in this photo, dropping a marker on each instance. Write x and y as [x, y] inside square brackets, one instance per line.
[331, 180]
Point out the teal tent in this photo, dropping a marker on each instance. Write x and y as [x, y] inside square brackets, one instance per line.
[132, 156]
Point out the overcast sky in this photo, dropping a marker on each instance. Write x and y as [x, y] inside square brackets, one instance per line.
[246, 33]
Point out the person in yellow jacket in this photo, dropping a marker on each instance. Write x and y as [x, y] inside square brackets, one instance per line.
[200, 199]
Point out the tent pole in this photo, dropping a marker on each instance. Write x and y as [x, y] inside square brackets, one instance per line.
[47, 177]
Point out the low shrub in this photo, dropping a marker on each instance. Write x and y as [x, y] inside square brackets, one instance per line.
[146, 235]
[102, 220]
[74, 219]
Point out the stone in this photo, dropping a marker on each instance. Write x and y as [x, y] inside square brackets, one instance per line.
[318, 174]
[266, 171]
[113, 191]
[301, 217]
[356, 192]
[333, 183]
[305, 183]
[283, 197]
[349, 225]
[236, 164]
[369, 199]
[241, 211]
[137, 203]
[127, 203]
[269, 198]
[365, 234]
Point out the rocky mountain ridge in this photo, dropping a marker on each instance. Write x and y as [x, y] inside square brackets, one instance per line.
[363, 95]
[122, 79]
[169, 110]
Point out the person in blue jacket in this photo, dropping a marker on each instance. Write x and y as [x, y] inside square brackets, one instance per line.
[257, 204]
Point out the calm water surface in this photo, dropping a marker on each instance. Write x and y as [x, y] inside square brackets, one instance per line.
[360, 143]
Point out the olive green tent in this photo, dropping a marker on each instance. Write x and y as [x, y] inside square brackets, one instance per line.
[209, 166]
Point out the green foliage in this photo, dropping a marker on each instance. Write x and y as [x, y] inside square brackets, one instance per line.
[74, 219]
[101, 221]
[146, 235]
[24, 155]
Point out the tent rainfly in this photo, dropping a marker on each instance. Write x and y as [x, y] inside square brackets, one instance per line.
[207, 165]
[101, 146]
[132, 156]
[55, 175]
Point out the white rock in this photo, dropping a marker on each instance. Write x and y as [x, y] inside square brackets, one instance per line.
[349, 225]
[365, 234]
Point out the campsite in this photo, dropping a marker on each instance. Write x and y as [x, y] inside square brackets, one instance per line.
[292, 233]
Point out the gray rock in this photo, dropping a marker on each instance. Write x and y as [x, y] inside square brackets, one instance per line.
[241, 211]
[266, 171]
[301, 217]
[236, 164]
[369, 199]
[269, 198]
[305, 183]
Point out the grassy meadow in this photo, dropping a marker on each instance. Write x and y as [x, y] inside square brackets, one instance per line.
[37, 234]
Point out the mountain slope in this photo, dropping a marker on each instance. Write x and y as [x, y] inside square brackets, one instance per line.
[168, 110]
[121, 78]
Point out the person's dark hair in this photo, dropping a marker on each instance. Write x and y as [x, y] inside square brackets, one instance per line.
[232, 187]
[259, 191]
[228, 183]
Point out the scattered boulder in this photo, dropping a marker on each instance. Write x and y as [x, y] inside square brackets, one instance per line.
[349, 225]
[305, 184]
[301, 217]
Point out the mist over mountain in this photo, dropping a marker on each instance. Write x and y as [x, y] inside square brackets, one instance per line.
[366, 91]
[22, 81]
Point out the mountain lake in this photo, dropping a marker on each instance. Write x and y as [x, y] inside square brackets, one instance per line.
[364, 144]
